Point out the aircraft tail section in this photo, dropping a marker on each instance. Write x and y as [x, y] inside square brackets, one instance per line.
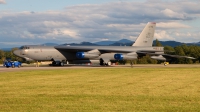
[146, 36]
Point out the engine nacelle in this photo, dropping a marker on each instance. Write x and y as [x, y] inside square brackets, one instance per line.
[82, 55]
[124, 57]
[160, 57]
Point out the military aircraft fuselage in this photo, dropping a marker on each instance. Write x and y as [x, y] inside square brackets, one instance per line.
[104, 54]
[46, 53]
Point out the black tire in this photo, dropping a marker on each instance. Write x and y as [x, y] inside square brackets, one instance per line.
[61, 64]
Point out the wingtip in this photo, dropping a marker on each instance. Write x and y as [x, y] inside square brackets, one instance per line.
[191, 58]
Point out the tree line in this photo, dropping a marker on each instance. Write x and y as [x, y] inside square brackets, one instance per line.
[183, 50]
[9, 55]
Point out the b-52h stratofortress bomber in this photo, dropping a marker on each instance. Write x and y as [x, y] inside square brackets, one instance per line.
[104, 55]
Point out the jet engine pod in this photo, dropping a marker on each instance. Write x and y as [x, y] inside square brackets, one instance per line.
[124, 57]
[119, 56]
[82, 55]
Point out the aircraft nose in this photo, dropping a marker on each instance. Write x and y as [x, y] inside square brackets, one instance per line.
[17, 52]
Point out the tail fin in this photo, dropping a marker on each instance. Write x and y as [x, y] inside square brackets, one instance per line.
[146, 36]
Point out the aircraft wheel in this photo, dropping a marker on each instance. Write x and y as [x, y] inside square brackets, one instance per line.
[109, 63]
[61, 64]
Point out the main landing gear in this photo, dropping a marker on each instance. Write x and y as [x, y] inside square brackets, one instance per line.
[57, 63]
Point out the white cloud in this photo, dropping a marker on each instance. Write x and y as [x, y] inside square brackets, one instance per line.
[171, 25]
[17, 43]
[177, 34]
[55, 24]
[66, 32]
[2, 1]
[112, 21]
[189, 36]
[104, 39]
[172, 14]
[163, 35]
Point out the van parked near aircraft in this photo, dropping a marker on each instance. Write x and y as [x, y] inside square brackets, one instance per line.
[13, 64]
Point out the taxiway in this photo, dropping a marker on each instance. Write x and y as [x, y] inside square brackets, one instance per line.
[4, 69]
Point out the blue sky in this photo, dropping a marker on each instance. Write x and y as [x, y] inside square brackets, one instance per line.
[24, 22]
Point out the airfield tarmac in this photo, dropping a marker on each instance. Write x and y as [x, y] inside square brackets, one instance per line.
[4, 69]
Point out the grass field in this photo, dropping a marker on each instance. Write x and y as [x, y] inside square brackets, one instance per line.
[108, 89]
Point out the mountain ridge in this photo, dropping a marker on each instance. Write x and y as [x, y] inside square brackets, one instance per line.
[122, 42]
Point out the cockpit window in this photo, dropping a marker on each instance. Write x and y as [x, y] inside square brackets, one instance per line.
[24, 47]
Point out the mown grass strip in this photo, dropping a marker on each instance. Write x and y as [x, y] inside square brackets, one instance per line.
[122, 89]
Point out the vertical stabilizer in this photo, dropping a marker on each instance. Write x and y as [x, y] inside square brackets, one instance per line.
[146, 36]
